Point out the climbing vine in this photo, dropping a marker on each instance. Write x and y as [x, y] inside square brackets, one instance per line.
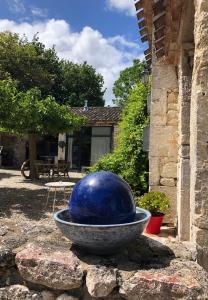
[128, 159]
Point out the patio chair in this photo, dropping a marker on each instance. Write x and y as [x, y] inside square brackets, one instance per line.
[43, 168]
[62, 169]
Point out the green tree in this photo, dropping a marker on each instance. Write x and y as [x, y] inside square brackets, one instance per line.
[28, 63]
[32, 65]
[29, 113]
[129, 160]
[127, 81]
[80, 83]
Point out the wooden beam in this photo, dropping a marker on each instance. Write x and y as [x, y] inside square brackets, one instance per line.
[141, 24]
[144, 38]
[149, 56]
[139, 4]
[149, 61]
[147, 51]
[160, 22]
[159, 53]
[159, 33]
[143, 31]
[160, 43]
[158, 7]
[140, 14]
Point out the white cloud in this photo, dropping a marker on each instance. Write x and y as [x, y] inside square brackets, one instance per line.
[122, 41]
[16, 6]
[108, 55]
[38, 12]
[126, 6]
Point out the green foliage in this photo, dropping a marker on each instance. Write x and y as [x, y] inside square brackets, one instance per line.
[28, 63]
[26, 112]
[129, 160]
[127, 81]
[34, 66]
[80, 83]
[155, 202]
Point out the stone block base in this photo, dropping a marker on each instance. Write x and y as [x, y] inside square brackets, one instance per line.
[148, 269]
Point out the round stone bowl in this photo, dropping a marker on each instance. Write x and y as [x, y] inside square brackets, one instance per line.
[102, 239]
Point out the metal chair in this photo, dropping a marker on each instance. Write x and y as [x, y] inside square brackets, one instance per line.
[43, 168]
[62, 169]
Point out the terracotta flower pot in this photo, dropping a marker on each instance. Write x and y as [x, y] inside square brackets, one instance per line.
[154, 224]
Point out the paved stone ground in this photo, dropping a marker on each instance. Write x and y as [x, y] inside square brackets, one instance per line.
[23, 200]
[37, 262]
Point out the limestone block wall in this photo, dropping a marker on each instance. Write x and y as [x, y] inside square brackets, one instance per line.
[184, 101]
[199, 135]
[183, 188]
[163, 151]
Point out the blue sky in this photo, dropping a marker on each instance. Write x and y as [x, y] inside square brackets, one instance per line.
[102, 32]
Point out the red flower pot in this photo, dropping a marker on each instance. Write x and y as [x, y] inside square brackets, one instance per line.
[154, 224]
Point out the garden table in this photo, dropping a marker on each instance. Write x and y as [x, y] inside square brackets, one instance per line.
[53, 186]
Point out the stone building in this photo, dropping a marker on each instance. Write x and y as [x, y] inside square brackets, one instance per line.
[96, 138]
[16, 149]
[82, 148]
[176, 32]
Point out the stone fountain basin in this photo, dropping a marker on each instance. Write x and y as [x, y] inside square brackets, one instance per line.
[102, 239]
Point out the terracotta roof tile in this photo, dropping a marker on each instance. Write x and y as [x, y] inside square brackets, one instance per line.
[111, 114]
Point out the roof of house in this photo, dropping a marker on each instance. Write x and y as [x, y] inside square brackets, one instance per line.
[159, 23]
[99, 114]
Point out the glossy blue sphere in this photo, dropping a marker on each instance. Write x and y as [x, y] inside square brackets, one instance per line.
[102, 198]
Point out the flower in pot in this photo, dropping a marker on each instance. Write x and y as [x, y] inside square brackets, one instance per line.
[157, 203]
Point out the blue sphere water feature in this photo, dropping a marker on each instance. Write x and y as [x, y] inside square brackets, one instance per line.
[102, 198]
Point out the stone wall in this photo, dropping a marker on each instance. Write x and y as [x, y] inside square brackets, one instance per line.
[199, 135]
[14, 150]
[183, 189]
[163, 153]
[47, 269]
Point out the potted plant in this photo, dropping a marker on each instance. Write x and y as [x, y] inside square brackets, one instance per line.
[156, 203]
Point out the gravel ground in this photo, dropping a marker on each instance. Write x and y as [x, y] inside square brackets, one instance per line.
[23, 203]
[23, 200]
[25, 221]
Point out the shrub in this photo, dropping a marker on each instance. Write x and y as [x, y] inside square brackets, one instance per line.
[155, 202]
[129, 160]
